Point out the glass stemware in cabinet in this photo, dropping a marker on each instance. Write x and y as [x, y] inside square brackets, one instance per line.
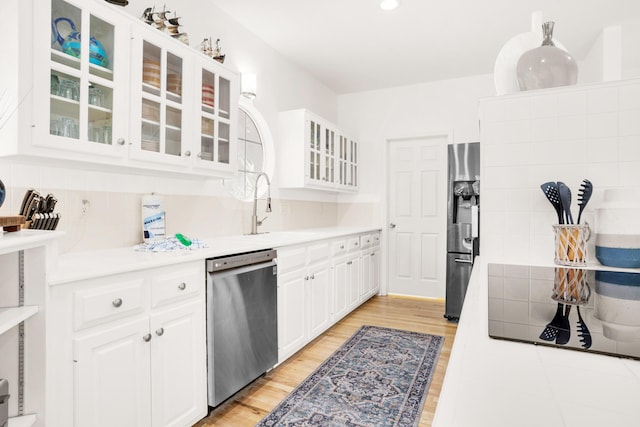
[81, 89]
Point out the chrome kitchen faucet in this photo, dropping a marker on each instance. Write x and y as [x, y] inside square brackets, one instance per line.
[254, 218]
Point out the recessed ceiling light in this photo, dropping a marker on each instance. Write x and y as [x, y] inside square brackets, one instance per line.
[388, 4]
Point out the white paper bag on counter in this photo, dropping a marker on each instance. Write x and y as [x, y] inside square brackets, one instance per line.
[153, 218]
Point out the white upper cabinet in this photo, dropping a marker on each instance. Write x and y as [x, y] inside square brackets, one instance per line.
[93, 84]
[314, 154]
[80, 81]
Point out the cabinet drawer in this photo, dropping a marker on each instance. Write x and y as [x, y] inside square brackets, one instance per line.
[117, 300]
[338, 247]
[318, 252]
[175, 284]
[353, 244]
[366, 241]
[290, 259]
[375, 238]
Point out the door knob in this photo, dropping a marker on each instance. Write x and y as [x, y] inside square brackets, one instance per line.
[392, 225]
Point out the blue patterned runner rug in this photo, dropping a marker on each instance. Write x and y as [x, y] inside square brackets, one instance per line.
[379, 377]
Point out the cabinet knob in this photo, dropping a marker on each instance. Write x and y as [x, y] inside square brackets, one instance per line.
[182, 286]
[117, 302]
[160, 332]
[350, 262]
[187, 153]
[147, 338]
[341, 246]
[120, 141]
[373, 254]
[199, 155]
[306, 277]
[313, 276]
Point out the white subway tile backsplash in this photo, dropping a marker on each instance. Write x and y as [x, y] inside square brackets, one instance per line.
[493, 200]
[629, 122]
[602, 125]
[602, 149]
[543, 129]
[517, 200]
[516, 109]
[571, 127]
[628, 173]
[603, 174]
[572, 103]
[628, 148]
[544, 106]
[629, 97]
[602, 100]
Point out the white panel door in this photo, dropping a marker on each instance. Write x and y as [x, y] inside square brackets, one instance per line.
[417, 209]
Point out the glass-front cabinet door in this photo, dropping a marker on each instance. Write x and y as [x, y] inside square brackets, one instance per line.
[160, 98]
[314, 150]
[216, 93]
[87, 60]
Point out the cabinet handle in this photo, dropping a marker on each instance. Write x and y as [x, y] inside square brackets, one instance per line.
[159, 332]
[117, 302]
[182, 286]
[187, 153]
[120, 141]
[350, 262]
[147, 338]
[373, 254]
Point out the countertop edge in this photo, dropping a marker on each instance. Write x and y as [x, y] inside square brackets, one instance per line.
[77, 266]
[491, 383]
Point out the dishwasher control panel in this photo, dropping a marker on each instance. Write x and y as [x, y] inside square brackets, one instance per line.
[240, 260]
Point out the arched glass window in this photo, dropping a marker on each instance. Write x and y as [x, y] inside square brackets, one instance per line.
[255, 153]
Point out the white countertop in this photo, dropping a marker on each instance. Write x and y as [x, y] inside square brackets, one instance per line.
[84, 265]
[497, 383]
[25, 239]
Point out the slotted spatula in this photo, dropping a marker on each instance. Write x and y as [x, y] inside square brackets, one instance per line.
[550, 332]
[550, 189]
[584, 194]
[583, 331]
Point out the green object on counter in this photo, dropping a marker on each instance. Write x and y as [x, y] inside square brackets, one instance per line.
[183, 239]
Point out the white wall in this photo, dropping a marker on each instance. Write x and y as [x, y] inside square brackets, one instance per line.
[415, 110]
[564, 134]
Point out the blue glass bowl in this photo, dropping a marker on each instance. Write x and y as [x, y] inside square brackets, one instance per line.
[3, 192]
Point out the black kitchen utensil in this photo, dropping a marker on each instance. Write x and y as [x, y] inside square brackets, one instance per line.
[584, 194]
[550, 189]
[551, 330]
[583, 331]
[25, 201]
[564, 330]
[565, 199]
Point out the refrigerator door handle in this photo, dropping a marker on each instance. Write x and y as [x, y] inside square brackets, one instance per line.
[463, 261]
[475, 216]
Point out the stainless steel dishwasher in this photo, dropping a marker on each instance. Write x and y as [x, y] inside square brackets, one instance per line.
[242, 325]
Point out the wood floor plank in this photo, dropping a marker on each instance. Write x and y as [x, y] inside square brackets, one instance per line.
[250, 405]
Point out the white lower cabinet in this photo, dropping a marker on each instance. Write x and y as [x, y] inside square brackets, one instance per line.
[140, 359]
[112, 377]
[304, 295]
[320, 283]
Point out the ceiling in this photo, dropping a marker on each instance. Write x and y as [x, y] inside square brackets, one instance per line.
[353, 45]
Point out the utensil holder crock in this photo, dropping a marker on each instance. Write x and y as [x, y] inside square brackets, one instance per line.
[570, 286]
[571, 243]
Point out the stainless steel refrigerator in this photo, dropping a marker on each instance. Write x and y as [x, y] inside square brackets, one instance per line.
[463, 215]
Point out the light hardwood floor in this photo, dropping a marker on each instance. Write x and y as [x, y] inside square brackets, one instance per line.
[421, 315]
